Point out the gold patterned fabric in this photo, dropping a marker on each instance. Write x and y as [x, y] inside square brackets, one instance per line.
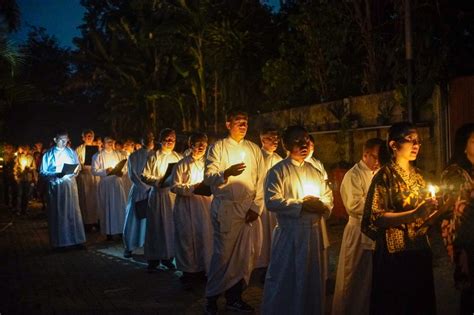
[395, 190]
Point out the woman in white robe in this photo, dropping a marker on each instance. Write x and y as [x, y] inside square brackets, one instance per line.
[159, 238]
[112, 199]
[354, 270]
[299, 196]
[64, 215]
[192, 218]
[87, 184]
[135, 228]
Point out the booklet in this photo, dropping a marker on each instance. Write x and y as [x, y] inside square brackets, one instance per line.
[90, 151]
[69, 169]
[202, 190]
[118, 168]
[166, 179]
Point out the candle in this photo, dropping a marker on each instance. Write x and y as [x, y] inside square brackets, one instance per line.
[23, 163]
[311, 190]
[242, 156]
[432, 189]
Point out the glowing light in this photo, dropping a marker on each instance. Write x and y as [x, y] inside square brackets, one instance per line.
[311, 190]
[432, 189]
[23, 163]
[242, 156]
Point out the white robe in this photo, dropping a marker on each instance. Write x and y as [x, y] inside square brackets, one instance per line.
[64, 215]
[127, 182]
[236, 243]
[159, 238]
[87, 185]
[294, 283]
[112, 197]
[134, 228]
[268, 218]
[192, 217]
[354, 270]
[324, 230]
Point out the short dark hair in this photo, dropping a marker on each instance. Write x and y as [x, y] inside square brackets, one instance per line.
[87, 131]
[196, 136]
[233, 112]
[289, 134]
[166, 132]
[372, 143]
[268, 129]
[460, 141]
[60, 132]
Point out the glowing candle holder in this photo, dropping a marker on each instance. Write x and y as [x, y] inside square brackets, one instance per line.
[311, 190]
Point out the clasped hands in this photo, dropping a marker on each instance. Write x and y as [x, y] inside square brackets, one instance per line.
[313, 204]
[110, 169]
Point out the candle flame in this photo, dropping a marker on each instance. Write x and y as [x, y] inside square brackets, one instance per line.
[242, 156]
[311, 190]
[432, 189]
[23, 163]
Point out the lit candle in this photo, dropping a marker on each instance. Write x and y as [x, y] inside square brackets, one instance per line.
[311, 190]
[23, 163]
[432, 189]
[242, 156]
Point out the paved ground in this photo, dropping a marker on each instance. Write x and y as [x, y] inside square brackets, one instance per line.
[36, 280]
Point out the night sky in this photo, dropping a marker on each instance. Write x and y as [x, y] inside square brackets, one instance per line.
[60, 18]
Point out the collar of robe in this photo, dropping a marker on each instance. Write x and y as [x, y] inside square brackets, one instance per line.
[296, 163]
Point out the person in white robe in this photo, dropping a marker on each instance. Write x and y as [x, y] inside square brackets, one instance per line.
[192, 217]
[235, 171]
[135, 228]
[159, 237]
[64, 215]
[269, 138]
[112, 199]
[127, 150]
[354, 270]
[299, 196]
[87, 184]
[324, 230]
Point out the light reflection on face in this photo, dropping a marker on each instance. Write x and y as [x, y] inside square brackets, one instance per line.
[61, 141]
[199, 148]
[270, 141]
[300, 143]
[409, 147]
[238, 127]
[168, 143]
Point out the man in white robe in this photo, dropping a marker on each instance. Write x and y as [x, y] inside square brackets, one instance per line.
[135, 228]
[192, 217]
[64, 215]
[235, 170]
[159, 237]
[112, 199]
[299, 196]
[354, 270]
[87, 184]
[269, 139]
[127, 149]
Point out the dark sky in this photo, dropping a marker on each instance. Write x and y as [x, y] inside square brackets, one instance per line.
[60, 18]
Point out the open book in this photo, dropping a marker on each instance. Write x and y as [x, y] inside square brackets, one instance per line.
[69, 169]
[90, 151]
[118, 168]
[166, 179]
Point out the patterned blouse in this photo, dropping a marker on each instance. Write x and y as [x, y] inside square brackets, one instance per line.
[395, 190]
[458, 230]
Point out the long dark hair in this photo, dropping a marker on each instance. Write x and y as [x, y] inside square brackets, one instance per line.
[460, 142]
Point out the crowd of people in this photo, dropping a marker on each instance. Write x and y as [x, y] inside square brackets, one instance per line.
[220, 210]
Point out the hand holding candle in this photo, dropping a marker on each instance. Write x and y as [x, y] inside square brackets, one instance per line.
[432, 189]
[242, 156]
[311, 190]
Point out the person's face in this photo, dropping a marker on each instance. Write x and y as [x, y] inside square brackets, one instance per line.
[371, 158]
[129, 146]
[237, 127]
[109, 145]
[168, 143]
[300, 146]
[409, 148]
[61, 141]
[470, 148]
[270, 141]
[199, 148]
[39, 146]
[88, 138]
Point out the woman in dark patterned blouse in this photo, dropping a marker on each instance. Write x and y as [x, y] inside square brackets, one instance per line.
[397, 204]
[458, 231]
